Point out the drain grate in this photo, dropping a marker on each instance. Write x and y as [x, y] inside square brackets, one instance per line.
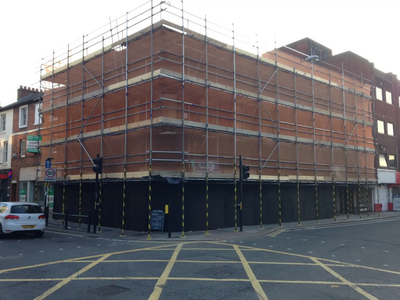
[109, 290]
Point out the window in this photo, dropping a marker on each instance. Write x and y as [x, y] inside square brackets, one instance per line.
[3, 122]
[38, 119]
[390, 130]
[382, 160]
[5, 152]
[381, 127]
[22, 146]
[378, 92]
[392, 161]
[23, 116]
[388, 97]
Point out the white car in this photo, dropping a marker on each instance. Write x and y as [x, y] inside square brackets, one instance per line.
[21, 217]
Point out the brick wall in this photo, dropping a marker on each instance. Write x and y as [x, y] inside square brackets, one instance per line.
[30, 159]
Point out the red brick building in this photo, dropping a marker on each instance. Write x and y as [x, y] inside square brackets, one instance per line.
[26, 121]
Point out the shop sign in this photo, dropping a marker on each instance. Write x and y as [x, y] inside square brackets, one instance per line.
[50, 198]
[32, 143]
[22, 195]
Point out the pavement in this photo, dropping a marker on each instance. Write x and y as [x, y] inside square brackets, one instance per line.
[220, 234]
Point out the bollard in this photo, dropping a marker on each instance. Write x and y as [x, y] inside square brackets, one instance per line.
[66, 219]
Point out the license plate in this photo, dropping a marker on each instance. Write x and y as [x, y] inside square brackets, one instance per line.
[28, 226]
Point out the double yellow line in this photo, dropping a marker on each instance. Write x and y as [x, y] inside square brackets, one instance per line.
[275, 233]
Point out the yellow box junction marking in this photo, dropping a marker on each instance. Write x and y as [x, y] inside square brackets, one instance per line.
[164, 276]
[253, 279]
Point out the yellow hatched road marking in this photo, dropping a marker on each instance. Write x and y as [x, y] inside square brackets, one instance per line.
[350, 284]
[164, 276]
[80, 259]
[275, 233]
[253, 279]
[68, 279]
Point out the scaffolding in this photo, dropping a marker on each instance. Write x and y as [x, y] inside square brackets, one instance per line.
[158, 99]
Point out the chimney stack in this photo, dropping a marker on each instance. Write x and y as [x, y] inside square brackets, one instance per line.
[23, 91]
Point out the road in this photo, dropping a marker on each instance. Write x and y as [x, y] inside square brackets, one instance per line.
[350, 261]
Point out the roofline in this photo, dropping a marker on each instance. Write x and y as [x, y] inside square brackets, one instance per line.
[20, 103]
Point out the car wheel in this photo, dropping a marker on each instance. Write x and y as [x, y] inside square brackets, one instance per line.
[39, 234]
[1, 232]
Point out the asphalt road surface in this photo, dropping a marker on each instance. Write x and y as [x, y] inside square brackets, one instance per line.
[350, 261]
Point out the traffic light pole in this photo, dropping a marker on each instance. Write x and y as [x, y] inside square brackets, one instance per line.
[241, 193]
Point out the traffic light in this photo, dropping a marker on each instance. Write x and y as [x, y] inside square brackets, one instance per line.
[98, 165]
[245, 172]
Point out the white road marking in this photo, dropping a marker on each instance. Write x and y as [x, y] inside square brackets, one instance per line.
[21, 254]
[362, 247]
[322, 242]
[271, 246]
[304, 240]
[310, 252]
[386, 265]
[386, 251]
[289, 249]
[78, 247]
[60, 249]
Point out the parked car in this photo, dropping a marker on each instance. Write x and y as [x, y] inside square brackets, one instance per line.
[21, 217]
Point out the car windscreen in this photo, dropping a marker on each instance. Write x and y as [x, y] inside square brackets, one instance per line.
[25, 209]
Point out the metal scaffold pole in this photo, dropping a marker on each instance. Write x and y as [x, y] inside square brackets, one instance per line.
[345, 144]
[151, 131]
[296, 145]
[314, 143]
[278, 136]
[81, 148]
[365, 148]
[51, 138]
[101, 134]
[332, 149]
[375, 140]
[358, 150]
[207, 129]
[66, 132]
[259, 134]
[126, 130]
[151, 117]
[183, 124]
[234, 128]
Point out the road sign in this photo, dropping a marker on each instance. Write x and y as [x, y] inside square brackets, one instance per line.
[50, 175]
[48, 163]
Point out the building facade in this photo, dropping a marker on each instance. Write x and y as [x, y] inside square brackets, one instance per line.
[24, 154]
[6, 129]
[171, 109]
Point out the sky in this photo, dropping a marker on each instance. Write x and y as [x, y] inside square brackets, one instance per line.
[31, 30]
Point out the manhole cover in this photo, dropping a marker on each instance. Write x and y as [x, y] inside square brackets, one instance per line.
[109, 290]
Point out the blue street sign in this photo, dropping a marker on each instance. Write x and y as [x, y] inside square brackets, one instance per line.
[48, 163]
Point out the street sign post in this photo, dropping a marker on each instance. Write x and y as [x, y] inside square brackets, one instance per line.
[48, 163]
[50, 175]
